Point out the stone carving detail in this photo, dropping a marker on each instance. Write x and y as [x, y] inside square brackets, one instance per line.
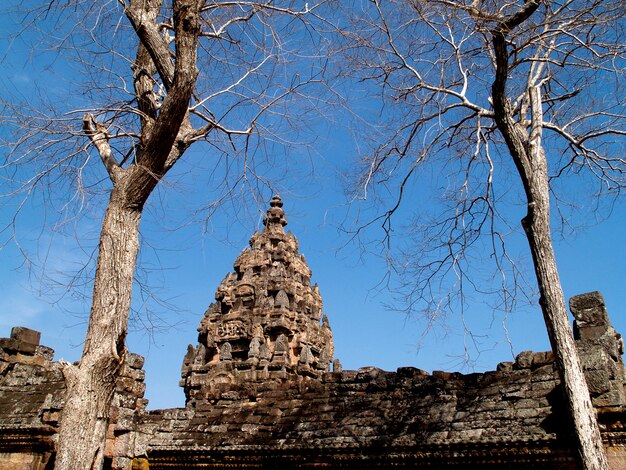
[265, 353]
[282, 345]
[282, 301]
[231, 329]
[267, 321]
[255, 347]
[226, 352]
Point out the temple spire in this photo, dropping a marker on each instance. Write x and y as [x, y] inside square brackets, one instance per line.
[275, 220]
[266, 323]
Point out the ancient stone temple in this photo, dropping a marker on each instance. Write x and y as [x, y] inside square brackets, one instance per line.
[261, 392]
[266, 322]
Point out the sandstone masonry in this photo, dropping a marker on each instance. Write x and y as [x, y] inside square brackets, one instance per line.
[266, 323]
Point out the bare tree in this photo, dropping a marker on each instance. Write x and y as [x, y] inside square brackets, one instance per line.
[202, 71]
[470, 87]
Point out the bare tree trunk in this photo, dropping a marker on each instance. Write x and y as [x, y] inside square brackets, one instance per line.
[139, 139]
[527, 151]
[91, 384]
[529, 156]
[537, 227]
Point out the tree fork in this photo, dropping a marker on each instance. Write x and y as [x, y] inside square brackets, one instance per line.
[90, 385]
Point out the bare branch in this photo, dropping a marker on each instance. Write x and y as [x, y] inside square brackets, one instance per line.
[97, 133]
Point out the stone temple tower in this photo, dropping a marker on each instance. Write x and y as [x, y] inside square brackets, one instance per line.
[266, 324]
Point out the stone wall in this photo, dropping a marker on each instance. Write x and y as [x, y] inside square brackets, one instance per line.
[406, 417]
[31, 388]
[512, 417]
[32, 392]
[260, 393]
[128, 404]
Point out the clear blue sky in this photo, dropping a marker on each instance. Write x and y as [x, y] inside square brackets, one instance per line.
[191, 259]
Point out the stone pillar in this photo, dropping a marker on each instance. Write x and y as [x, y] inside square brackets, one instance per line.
[600, 348]
[128, 401]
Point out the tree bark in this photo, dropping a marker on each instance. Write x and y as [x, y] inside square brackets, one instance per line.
[536, 225]
[552, 301]
[528, 154]
[90, 385]
[530, 159]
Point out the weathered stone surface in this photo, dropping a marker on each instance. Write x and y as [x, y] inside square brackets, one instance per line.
[368, 409]
[589, 309]
[524, 360]
[600, 348]
[505, 366]
[32, 392]
[134, 361]
[45, 352]
[13, 344]
[260, 404]
[266, 322]
[26, 335]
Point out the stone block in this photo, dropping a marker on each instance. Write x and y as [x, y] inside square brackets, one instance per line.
[45, 352]
[125, 401]
[28, 358]
[410, 372]
[9, 345]
[142, 403]
[124, 384]
[469, 434]
[526, 413]
[524, 360]
[589, 309]
[138, 390]
[51, 417]
[26, 348]
[440, 374]
[598, 381]
[125, 421]
[612, 398]
[12, 345]
[134, 361]
[542, 358]
[593, 359]
[218, 428]
[26, 335]
[230, 396]
[611, 342]
[590, 332]
[250, 428]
